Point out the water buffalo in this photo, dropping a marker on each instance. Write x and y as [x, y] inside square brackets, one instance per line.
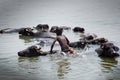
[78, 29]
[78, 44]
[42, 27]
[65, 27]
[53, 28]
[10, 30]
[88, 36]
[107, 50]
[82, 43]
[98, 41]
[33, 51]
[30, 33]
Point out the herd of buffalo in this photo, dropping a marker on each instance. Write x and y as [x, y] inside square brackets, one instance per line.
[106, 48]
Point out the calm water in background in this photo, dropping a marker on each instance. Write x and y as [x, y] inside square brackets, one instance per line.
[96, 16]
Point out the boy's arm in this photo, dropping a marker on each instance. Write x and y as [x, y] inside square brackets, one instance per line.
[67, 40]
[52, 45]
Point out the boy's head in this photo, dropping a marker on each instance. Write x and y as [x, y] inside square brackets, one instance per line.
[59, 31]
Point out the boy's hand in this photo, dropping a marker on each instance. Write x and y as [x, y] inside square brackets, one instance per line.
[51, 51]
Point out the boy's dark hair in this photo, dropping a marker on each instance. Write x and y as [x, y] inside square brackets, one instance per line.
[59, 31]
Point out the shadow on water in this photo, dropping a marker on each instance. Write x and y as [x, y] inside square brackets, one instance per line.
[31, 59]
[26, 38]
[29, 65]
[108, 64]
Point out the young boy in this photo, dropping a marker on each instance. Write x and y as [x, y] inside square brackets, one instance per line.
[63, 41]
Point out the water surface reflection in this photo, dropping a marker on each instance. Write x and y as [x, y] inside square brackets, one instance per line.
[63, 67]
[108, 64]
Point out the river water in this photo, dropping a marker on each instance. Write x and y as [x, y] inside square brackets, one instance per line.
[96, 16]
